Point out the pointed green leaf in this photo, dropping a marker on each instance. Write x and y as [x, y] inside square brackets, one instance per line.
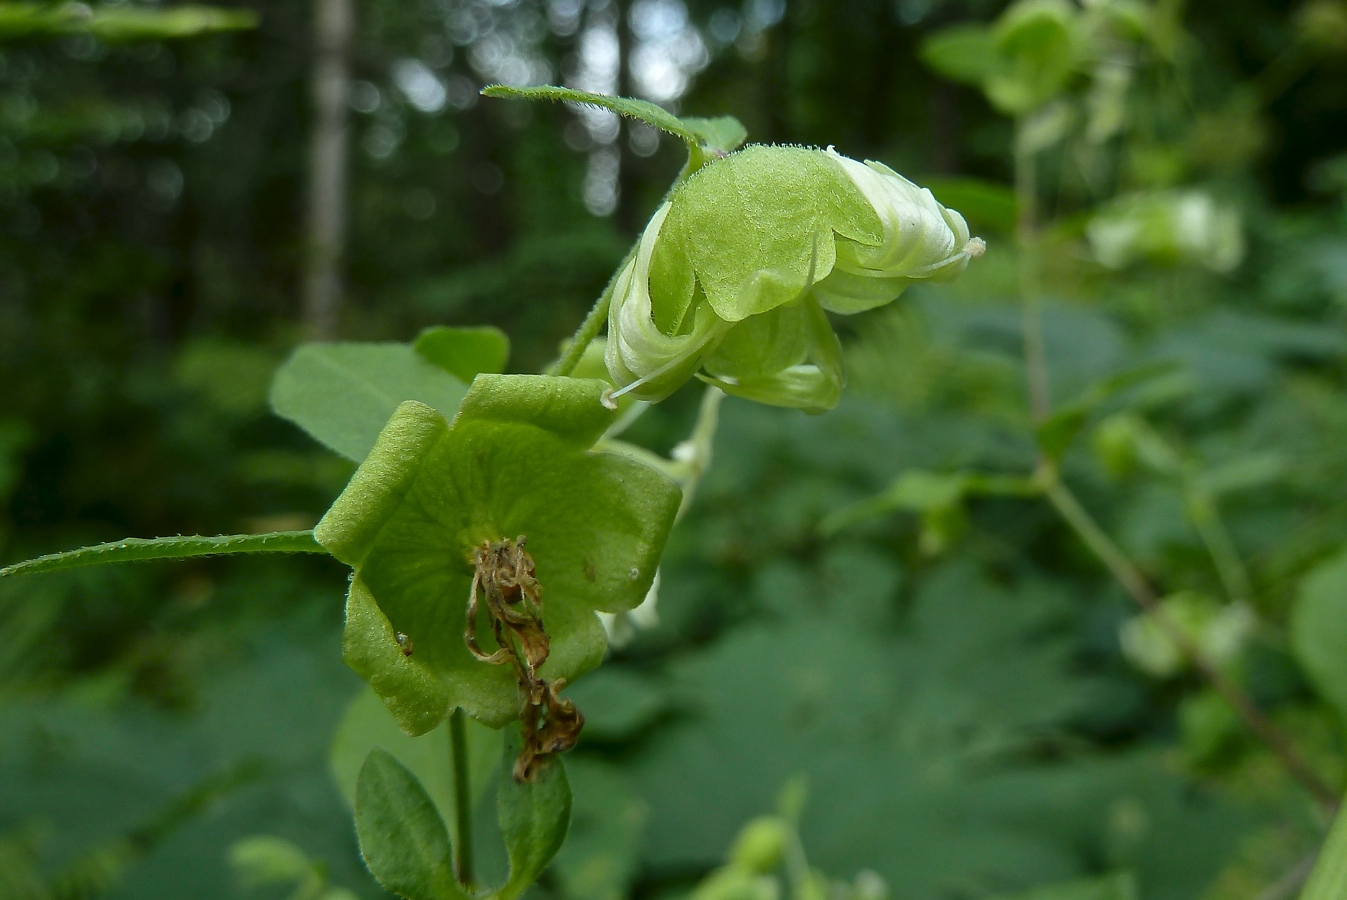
[514, 463]
[114, 23]
[402, 838]
[343, 394]
[533, 819]
[929, 492]
[464, 352]
[963, 53]
[1328, 879]
[1059, 431]
[723, 133]
[367, 724]
[176, 547]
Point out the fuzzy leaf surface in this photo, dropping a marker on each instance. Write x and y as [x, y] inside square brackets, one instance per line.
[516, 462]
[533, 819]
[775, 212]
[175, 547]
[402, 838]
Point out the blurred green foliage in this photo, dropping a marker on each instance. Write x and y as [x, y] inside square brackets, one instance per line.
[946, 673]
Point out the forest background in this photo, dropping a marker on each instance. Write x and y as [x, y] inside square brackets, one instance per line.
[971, 703]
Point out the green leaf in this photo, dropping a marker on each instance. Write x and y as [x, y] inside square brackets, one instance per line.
[514, 463]
[601, 856]
[534, 817]
[1328, 879]
[963, 53]
[176, 547]
[402, 838]
[718, 136]
[1035, 54]
[343, 394]
[788, 357]
[1319, 630]
[1118, 886]
[928, 492]
[116, 23]
[263, 859]
[723, 133]
[775, 211]
[367, 724]
[1059, 431]
[464, 352]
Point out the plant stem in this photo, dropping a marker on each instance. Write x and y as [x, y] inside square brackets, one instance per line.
[589, 328]
[334, 29]
[1026, 235]
[1096, 539]
[458, 744]
[1206, 517]
[1139, 588]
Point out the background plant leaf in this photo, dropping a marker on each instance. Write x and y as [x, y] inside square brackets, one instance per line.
[402, 838]
[344, 394]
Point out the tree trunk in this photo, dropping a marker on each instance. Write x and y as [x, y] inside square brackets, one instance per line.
[334, 24]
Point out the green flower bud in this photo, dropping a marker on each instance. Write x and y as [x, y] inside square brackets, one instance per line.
[732, 883]
[760, 845]
[734, 272]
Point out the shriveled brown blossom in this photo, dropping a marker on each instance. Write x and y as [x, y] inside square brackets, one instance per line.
[504, 575]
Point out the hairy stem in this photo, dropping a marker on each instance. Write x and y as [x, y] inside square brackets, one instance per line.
[590, 327]
[1139, 588]
[458, 745]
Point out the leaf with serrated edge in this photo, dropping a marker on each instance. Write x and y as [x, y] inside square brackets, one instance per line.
[402, 838]
[515, 462]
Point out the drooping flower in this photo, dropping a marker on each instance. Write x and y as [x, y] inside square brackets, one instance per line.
[733, 274]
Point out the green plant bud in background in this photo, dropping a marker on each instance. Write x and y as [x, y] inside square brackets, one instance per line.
[1322, 25]
[1023, 60]
[735, 271]
[1167, 228]
[760, 845]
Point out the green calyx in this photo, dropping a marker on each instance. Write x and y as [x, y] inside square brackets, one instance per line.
[735, 271]
[515, 462]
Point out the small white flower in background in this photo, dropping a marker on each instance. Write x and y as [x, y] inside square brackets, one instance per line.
[1167, 228]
